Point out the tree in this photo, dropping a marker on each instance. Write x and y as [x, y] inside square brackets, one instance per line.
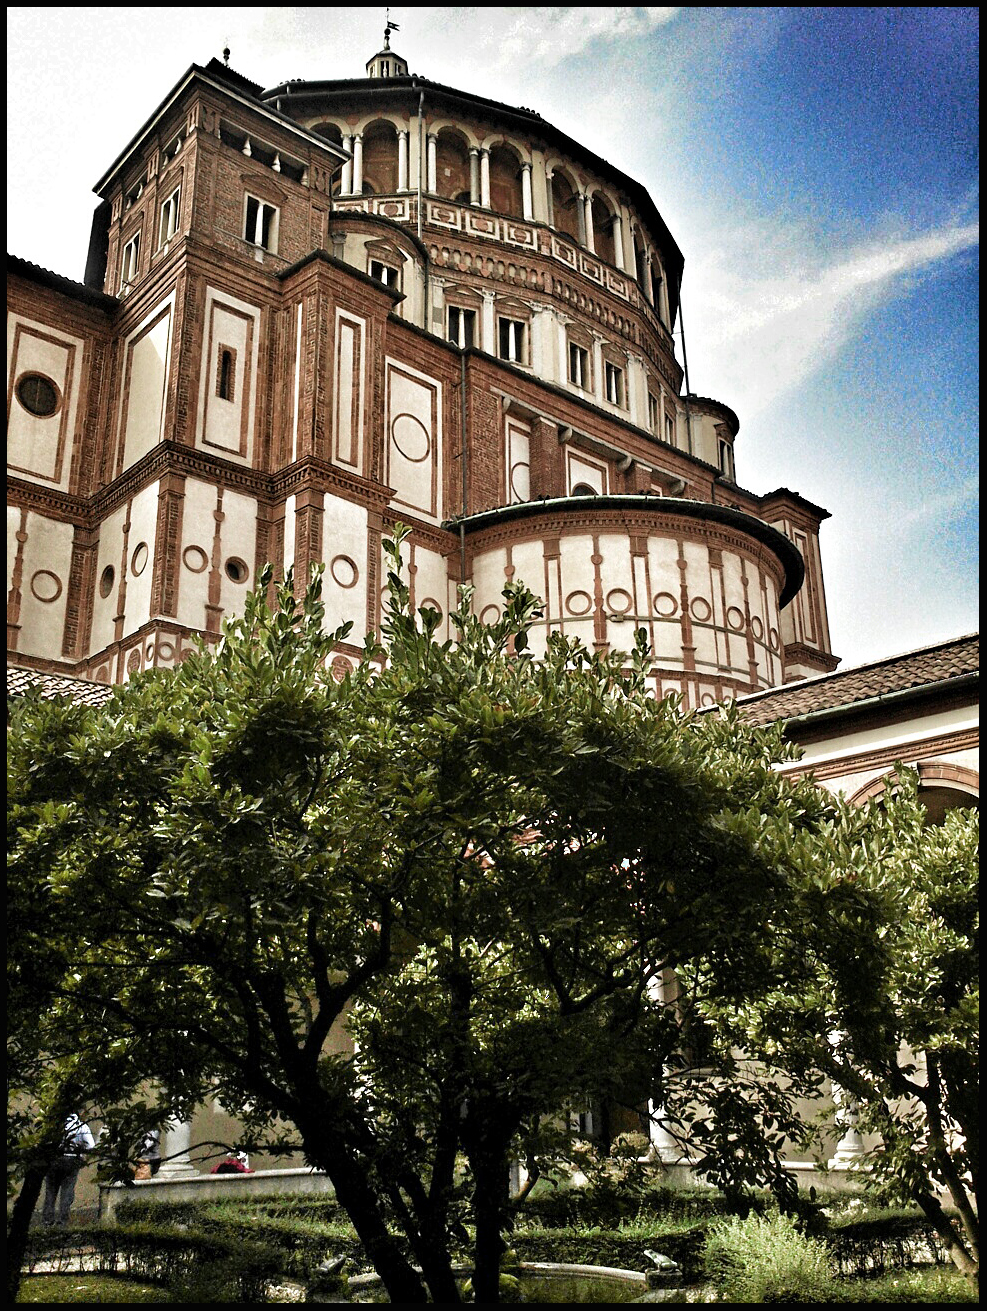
[479, 862]
[883, 992]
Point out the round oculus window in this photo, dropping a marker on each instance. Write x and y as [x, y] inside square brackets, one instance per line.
[38, 395]
[237, 570]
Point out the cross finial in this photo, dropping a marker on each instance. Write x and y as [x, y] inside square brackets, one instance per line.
[389, 27]
[226, 55]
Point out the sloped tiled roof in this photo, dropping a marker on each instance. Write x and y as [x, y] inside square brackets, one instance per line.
[846, 688]
[56, 685]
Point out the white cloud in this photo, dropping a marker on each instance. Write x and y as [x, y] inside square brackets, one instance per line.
[763, 329]
[548, 35]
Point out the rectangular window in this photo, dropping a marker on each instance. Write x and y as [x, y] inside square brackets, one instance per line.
[578, 366]
[511, 340]
[226, 373]
[614, 380]
[131, 256]
[260, 224]
[383, 273]
[462, 326]
[726, 459]
[169, 217]
[653, 413]
[669, 430]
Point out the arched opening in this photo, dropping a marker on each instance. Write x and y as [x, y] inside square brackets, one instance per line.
[380, 159]
[584, 489]
[565, 199]
[640, 263]
[330, 132]
[505, 182]
[603, 221]
[452, 166]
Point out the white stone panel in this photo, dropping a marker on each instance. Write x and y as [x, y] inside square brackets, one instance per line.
[344, 549]
[140, 562]
[38, 448]
[414, 440]
[238, 542]
[46, 562]
[145, 380]
[198, 527]
[225, 426]
[518, 460]
[431, 577]
[108, 557]
[348, 390]
[288, 558]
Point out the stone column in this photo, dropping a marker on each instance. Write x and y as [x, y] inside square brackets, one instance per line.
[550, 199]
[618, 242]
[175, 1145]
[526, 207]
[598, 389]
[488, 341]
[485, 178]
[563, 350]
[539, 341]
[664, 1146]
[588, 224]
[432, 183]
[648, 288]
[581, 219]
[402, 161]
[474, 176]
[358, 164]
[346, 181]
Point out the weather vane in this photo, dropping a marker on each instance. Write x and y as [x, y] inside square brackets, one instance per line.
[389, 27]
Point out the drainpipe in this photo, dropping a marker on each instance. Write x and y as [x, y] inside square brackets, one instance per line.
[685, 367]
[462, 457]
[421, 113]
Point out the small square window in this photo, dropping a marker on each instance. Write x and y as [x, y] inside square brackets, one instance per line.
[462, 326]
[260, 224]
[578, 366]
[511, 340]
[614, 382]
[169, 217]
[383, 273]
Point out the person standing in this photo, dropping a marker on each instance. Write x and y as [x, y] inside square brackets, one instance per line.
[63, 1172]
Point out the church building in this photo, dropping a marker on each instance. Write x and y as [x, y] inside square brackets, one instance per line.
[313, 312]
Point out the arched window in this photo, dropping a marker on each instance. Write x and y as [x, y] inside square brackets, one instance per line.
[505, 182]
[226, 378]
[380, 159]
[565, 202]
[603, 230]
[584, 489]
[452, 166]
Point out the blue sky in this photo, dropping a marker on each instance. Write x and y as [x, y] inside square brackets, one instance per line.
[818, 168]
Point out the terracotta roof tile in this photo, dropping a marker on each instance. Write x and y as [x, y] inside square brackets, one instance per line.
[56, 685]
[847, 687]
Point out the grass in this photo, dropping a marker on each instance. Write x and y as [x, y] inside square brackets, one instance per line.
[88, 1288]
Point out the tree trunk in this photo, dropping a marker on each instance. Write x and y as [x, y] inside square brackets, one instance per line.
[491, 1173]
[19, 1226]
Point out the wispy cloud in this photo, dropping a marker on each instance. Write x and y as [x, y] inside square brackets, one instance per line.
[550, 34]
[763, 333]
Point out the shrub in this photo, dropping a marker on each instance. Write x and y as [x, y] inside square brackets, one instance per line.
[766, 1258]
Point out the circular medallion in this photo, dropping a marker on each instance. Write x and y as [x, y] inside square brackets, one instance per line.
[701, 609]
[106, 581]
[344, 571]
[410, 437]
[46, 586]
[195, 559]
[490, 614]
[138, 561]
[665, 604]
[579, 603]
[757, 628]
[774, 641]
[619, 601]
[735, 618]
